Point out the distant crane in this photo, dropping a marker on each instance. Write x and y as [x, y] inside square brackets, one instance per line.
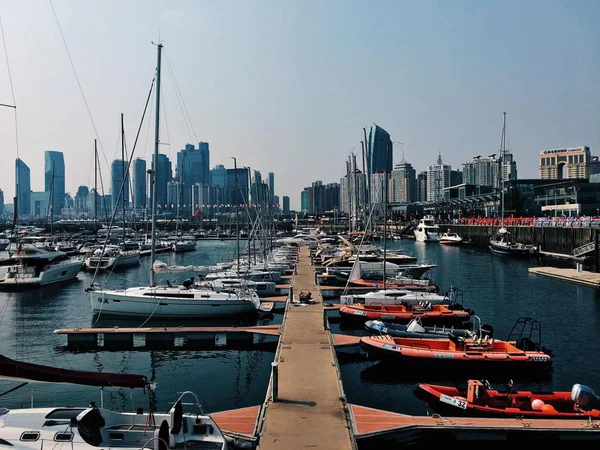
[401, 144]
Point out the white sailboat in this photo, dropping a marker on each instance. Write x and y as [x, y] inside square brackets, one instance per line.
[503, 243]
[185, 301]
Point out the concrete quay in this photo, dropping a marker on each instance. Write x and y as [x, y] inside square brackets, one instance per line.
[306, 407]
[583, 277]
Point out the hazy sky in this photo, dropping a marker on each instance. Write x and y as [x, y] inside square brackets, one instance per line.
[286, 86]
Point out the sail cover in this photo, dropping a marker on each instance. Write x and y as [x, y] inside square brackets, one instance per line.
[9, 368]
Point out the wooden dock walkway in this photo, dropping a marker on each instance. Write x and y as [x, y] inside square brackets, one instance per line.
[591, 279]
[309, 410]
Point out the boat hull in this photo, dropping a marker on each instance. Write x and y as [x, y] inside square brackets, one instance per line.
[454, 402]
[62, 273]
[118, 303]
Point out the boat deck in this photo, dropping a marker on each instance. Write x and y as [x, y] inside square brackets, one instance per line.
[584, 277]
[309, 393]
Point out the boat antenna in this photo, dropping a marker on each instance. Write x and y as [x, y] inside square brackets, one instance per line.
[154, 170]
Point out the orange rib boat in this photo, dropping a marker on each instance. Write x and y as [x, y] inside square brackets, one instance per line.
[404, 313]
[480, 400]
[458, 352]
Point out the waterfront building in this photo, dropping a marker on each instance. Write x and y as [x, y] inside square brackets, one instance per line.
[422, 187]
[553, 162]
[481, 171]
[164, 174]
[120, 178]
[173, 195]
[456, 177]
[200, 199]
[40, 204]
[2, 208]
[438, 178]
[304, 200]
[403, 183]
[286, 204]
[322, 197]
[377, 194]
[255, 188]
[380, 153]
[22, 188]
[593, 167]
[271, 183]
[193, 166]
[240, 194]
[276, 204]
[139, 184]
[218, 176]
[54, 178]
[81, 199]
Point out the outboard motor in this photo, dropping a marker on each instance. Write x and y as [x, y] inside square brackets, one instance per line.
[487, 330]
[585, 397]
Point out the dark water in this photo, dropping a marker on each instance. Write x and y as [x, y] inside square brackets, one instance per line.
[500, 290]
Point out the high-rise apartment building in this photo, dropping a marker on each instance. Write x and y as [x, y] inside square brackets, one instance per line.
[438, 178]
[403, 183]
[120, 181]
[218, 176]
[2, 208]
[81, 199]
[22, 188]
[422, 187]
[237, 186]
[140, 197]
[380, 153]
[272, 187]
[54, 179]
[286, 204]
[193, 166]
[164, 174]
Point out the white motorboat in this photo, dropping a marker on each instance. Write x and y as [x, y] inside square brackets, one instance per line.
[395, 297]
[449, 238]
[427, 230]
[4, 243]
[33, 267]
[184, 246]
[111, 257]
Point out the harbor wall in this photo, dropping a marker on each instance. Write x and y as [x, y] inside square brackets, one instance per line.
[549, 239]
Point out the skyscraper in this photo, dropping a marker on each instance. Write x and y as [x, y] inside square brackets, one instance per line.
[380, 153]
[2, 209]
[192, 168]
[54, 179]
[23, 188]
[403, 183]
[272, 187]
[139, 184]
[237, 195]
[164, 174]
[119, 174]
[286, 204]
[218, 176]
[438, 178]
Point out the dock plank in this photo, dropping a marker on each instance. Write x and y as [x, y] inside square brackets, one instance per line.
[310, 394]
[272, 330]
[583, 277]
[243, 421]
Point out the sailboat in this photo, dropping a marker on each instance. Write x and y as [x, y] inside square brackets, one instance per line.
[109, 257]
[185, 301]
[502, 243]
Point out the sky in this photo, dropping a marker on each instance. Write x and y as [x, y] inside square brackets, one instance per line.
[287, 86]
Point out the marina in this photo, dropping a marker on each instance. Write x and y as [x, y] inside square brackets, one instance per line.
[309, 367]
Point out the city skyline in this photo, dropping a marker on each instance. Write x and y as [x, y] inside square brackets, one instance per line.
[305, 65]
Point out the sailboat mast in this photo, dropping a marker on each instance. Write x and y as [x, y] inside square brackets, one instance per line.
[502, 151]
[123, 175]
[385, 205]
[155, 166]
[52, 206]
[95, 183]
